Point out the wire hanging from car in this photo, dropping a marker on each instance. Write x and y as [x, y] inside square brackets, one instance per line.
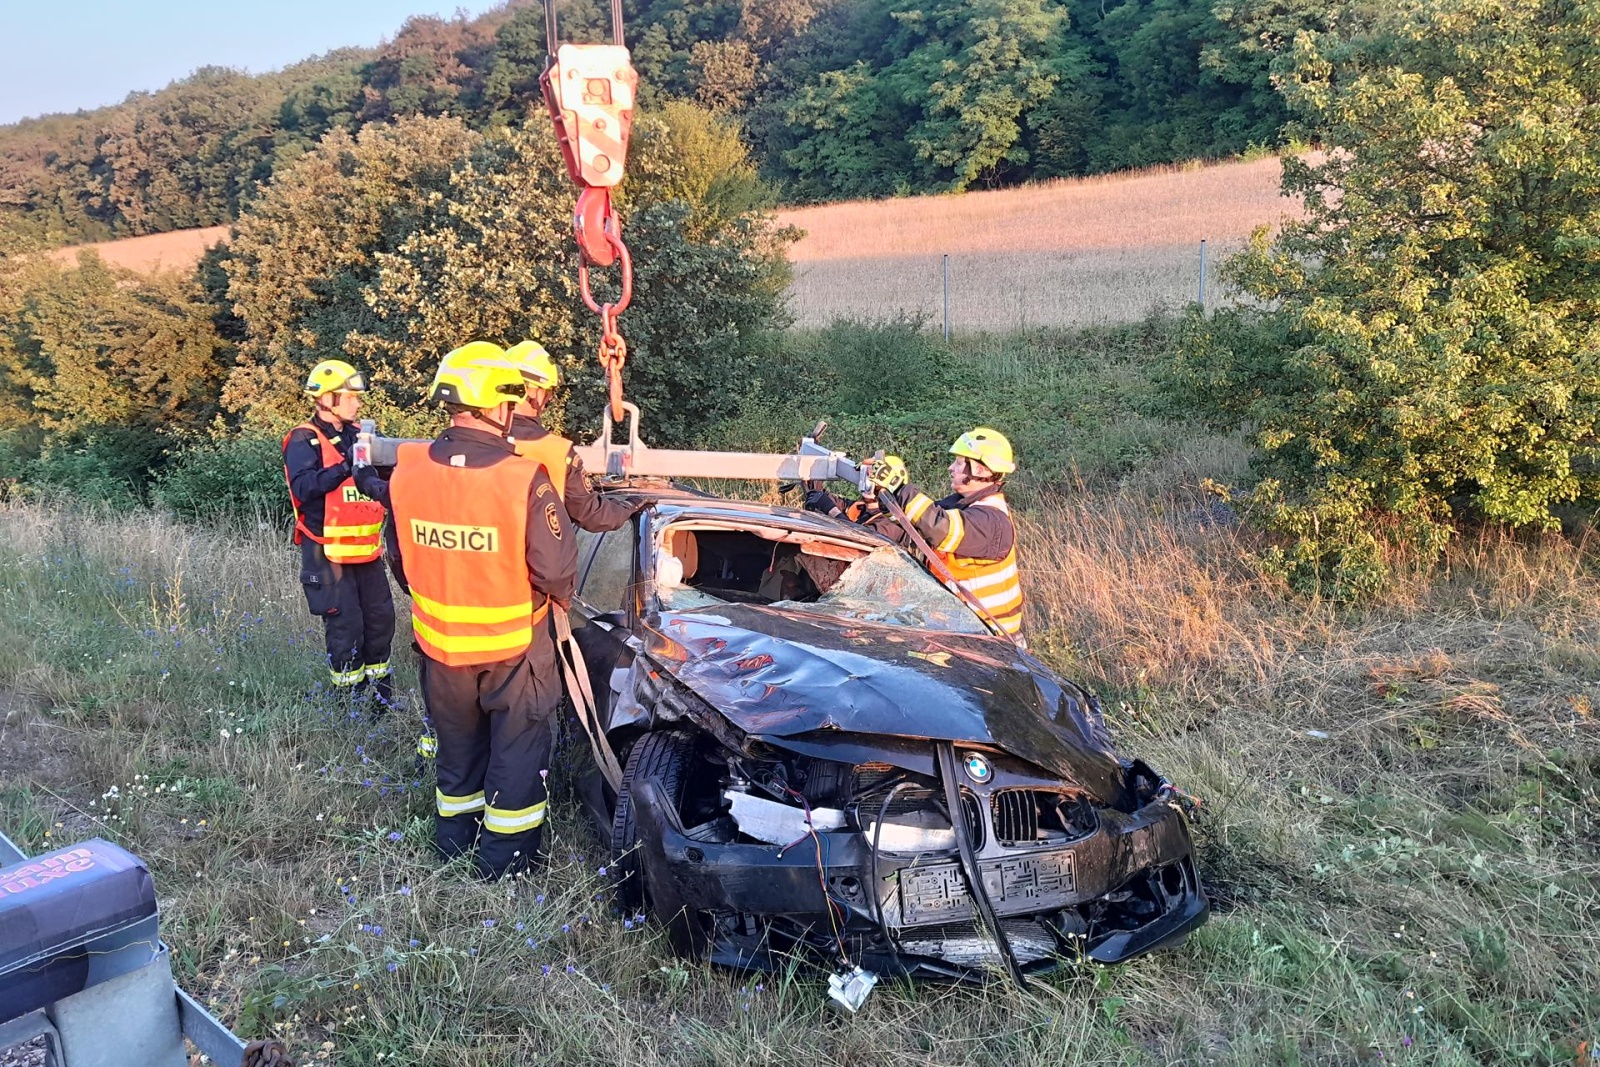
[834, 920]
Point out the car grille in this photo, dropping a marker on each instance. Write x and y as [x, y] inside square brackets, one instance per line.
[1024, 817]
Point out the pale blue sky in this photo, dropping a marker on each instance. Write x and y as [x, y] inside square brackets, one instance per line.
[62, 55]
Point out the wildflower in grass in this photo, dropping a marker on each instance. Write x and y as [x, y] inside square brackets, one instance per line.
[394, 835]
[413, 943]
[531, 943]
[377, 931]
[539, 899]
[488, 924]
[405, 891]
[472, 952]
[518, 928]
[566, 928]
[571, 969]
[393, 967]
[627, 924]
[602, 872]
[546, 969]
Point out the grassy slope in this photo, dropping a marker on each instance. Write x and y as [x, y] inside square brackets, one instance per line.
[1420, 883]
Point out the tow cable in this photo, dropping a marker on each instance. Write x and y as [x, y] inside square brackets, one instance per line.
[589, 90]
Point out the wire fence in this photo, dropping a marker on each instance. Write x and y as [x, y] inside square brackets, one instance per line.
[1006, 291]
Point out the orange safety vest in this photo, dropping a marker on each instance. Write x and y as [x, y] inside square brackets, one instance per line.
[352, 524]
[463, 540]
[994, 583]
[550, 451]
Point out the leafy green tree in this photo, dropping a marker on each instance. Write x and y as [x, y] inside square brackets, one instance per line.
[306, 249]
[414, 239]
[1428, 350]
[105, 347]
[979, 66]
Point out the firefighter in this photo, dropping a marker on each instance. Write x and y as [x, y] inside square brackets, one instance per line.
[488, 553]
[587, 509]
[971, 530]
[338, 524]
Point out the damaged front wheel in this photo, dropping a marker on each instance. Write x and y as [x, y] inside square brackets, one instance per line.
[664, 759]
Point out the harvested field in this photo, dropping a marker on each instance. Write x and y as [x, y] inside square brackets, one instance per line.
[178, 250]
[1084, 251]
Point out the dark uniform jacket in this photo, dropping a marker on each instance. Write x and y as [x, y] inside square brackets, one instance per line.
[310, 481]
[587, 509]
[552, 553]
[987, 533]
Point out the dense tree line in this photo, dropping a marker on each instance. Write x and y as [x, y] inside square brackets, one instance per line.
[836, 98]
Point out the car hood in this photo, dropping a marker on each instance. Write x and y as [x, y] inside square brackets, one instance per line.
[778, 674]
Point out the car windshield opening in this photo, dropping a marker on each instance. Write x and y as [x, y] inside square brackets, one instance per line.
[705, 566]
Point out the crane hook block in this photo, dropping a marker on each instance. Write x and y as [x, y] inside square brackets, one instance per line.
[590, 89]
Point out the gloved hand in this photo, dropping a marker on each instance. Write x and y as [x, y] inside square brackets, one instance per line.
[887, 473]
[821, 500]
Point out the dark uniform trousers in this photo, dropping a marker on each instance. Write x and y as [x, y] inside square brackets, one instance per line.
[357, 610]
[493, 724]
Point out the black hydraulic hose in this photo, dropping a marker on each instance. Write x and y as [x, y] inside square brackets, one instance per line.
[946, 753]
[877, 898]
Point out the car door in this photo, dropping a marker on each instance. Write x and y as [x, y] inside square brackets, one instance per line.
[603, 611]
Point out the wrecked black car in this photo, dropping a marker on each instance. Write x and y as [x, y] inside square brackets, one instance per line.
[825, 753]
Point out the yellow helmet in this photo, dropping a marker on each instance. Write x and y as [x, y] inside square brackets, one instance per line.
[988, 447]
[334, 376]
[538, 367]
[477, 375]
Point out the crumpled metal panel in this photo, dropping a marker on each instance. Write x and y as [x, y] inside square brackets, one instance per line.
[776, 674]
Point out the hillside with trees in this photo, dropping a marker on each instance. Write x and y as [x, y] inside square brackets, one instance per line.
[835, 98]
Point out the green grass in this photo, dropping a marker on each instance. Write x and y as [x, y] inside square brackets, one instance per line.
[1399, 813]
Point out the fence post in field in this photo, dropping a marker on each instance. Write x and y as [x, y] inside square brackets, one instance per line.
[1202, 274]
[947, 297]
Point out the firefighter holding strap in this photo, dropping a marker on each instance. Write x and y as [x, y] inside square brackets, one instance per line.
[971, 530]
[587, 509]
[487, 550]
[338, 524]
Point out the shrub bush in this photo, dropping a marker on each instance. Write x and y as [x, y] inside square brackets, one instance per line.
[231, 479]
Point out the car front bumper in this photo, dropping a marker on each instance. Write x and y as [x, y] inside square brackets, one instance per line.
[1129, 888]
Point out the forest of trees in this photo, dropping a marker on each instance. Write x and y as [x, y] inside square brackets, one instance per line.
[834, 98]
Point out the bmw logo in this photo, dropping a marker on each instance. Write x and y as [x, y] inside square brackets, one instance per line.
[977, 767]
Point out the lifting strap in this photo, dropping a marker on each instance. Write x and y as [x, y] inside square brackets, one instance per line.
[576, 673]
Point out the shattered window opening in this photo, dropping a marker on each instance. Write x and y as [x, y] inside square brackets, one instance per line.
[705, 566]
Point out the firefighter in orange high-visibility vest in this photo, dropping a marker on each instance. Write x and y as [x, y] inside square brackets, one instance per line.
[338, 522]
[970, 530]
[588, 509]
[488, 553]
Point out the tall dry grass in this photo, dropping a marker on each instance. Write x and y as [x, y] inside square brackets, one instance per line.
[1397, 820]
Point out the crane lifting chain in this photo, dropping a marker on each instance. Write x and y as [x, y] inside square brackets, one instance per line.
[589, 90]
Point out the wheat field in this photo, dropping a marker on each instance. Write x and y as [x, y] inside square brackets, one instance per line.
[1076, 252]
[177, 250]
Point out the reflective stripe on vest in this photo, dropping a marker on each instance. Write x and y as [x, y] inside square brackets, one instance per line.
[352, 525]
[994, 583]
[464, 542]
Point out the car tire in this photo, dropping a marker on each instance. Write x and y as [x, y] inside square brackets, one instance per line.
[663, 758]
